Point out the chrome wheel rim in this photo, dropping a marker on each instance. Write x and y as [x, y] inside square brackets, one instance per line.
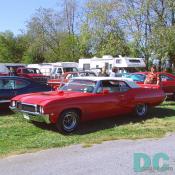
[141, 109]
[70, 121]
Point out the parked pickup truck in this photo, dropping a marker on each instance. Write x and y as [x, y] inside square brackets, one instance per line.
[32, 73]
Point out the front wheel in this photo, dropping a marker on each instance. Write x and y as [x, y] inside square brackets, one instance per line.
[141, 110]
[68, 121]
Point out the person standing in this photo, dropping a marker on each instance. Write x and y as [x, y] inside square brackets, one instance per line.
[152, 77]
[103, 72]
[114, 72]
[12, 72]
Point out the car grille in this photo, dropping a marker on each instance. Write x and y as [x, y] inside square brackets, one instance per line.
[26, 107]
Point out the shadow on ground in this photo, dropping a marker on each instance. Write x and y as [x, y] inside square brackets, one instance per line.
[5, 112]
[107, 123]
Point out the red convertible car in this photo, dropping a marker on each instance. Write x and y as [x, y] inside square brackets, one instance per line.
[167, 81]
[87, 98]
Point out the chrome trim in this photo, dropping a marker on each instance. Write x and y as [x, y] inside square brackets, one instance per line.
[4, 101]
[169, 93]
[33, 116]
[22, 111]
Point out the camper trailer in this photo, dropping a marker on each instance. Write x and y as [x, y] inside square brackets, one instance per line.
[128, 64]
[96, 63]
[107, 61]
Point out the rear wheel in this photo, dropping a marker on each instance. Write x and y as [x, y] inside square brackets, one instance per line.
[141, 110]
[68, 121]
[174, 96]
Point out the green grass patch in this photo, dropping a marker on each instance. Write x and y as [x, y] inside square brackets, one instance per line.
[19, 136]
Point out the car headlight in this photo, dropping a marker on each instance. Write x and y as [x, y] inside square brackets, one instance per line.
[13, 103]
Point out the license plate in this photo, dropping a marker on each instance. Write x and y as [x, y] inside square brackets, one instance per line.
[26, 117]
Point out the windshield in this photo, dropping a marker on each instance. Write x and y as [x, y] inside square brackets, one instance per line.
[70, 69]
[31, 71]
[137, 77]
[86, 86]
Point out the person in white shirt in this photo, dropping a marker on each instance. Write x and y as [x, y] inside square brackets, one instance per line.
[114, 71]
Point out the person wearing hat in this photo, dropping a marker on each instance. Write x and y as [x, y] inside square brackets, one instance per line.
[152, 76]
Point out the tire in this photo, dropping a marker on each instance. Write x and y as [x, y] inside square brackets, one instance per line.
[141, 110]
[174, 96]
[68, 121]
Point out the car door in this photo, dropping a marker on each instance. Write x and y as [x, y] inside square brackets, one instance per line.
[167, 83]
[7, 90]
[108, 100]
[126, 97]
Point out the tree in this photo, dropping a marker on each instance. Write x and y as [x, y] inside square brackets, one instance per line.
[103, 34]
[12, 47]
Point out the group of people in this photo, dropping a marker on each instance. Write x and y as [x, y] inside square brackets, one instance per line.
[114, 72]
[151, 78]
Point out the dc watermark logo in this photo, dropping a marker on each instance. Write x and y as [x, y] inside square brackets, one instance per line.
[157, 162]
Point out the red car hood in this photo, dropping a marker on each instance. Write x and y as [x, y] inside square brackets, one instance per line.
[45, 97]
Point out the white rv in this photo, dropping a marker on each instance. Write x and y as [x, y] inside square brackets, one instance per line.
[124, 62]
[96, 63]
[108, 62]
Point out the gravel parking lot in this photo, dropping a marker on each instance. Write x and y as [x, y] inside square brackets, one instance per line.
[108, 158]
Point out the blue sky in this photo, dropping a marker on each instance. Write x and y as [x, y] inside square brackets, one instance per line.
[15, 13]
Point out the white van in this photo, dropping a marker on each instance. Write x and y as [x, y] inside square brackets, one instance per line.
[45, 68]
[55, 69]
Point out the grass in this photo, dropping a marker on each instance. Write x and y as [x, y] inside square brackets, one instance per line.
[19, 136]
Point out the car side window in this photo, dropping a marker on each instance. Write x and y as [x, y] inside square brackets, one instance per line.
[59, 70]
[7, 84]
[12, 84]
[71, 76]
[91, 75]
[21, 84]
[75, 69]
[113, 86]
[165, 78]
[123, 86]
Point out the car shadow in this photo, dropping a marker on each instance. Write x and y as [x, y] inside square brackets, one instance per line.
[107, 123]
[6, 112]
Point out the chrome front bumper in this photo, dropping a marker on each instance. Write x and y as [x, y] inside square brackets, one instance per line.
[33, 116]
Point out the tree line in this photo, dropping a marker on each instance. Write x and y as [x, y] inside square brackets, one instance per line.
[136, 28]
